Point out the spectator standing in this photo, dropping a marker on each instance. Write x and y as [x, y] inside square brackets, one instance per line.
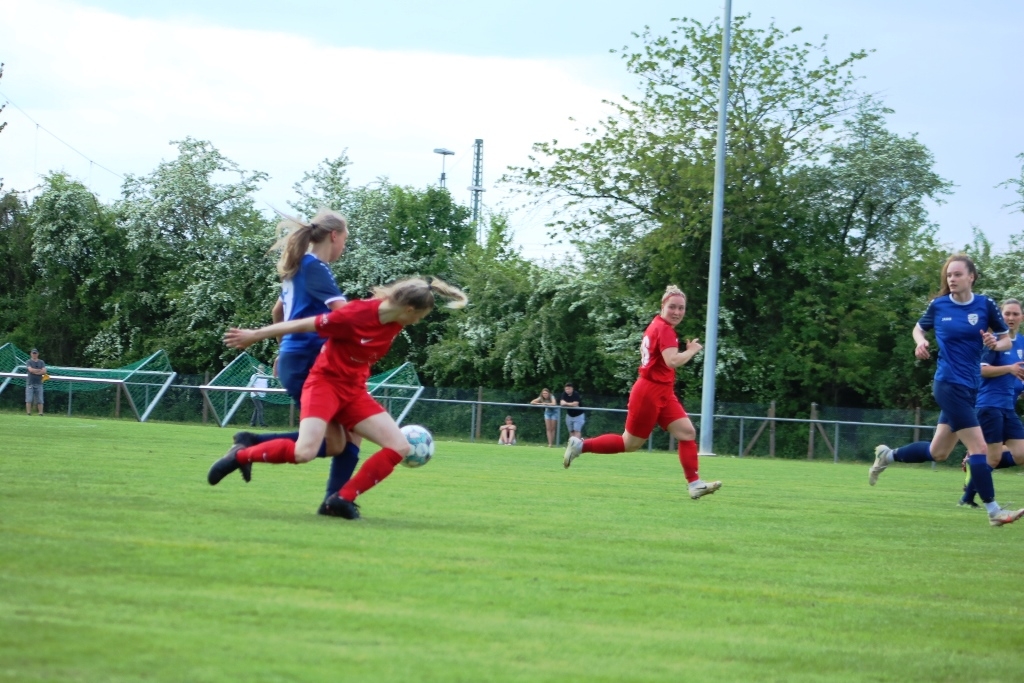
[574, 417]
[34, 383]
[257, 397]
[547, 400]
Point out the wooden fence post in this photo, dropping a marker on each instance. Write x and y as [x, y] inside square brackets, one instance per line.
[917, 421]
[771, 430]
[117, 400]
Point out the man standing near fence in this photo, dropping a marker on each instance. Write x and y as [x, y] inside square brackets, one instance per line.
[259, 382]
[574, 417]
[34, 382]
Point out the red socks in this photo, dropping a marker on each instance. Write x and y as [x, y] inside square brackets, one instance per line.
[277, 451]
[688, 459]
[606, 443]
[376, 469]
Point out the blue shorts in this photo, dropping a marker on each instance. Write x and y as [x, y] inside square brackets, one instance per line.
[292, 369]
[957, 404]
[551, 413]
[1000, 424]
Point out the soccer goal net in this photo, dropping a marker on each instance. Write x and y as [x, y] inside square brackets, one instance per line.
[142, 383]
[396, 390]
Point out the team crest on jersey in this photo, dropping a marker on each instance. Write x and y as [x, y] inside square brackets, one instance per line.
[972, 318]
[1020, 354]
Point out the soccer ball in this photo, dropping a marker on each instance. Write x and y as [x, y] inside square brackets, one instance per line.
[422, 443]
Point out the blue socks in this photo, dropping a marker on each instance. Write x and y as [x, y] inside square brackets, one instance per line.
[291, 436]
[970, 490]
[981, 477]
[919, 451]
[342, 467]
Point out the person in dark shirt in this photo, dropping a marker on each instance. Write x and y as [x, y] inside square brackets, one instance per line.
[34, 383]
[574, 417]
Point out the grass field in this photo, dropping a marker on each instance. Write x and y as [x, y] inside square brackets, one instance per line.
[119, 563]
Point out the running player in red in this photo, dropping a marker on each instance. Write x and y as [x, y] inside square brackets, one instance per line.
[334, 396]
[652, 399]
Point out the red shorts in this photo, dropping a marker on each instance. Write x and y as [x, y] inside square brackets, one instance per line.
[337, 402]
[651, 403]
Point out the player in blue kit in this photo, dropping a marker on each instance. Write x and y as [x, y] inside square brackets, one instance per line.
[965, 325]
[1001, 375]
[307, 290]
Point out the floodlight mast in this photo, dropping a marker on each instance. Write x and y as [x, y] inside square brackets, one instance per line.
[444, 153]
[477, 188]
[707, 403]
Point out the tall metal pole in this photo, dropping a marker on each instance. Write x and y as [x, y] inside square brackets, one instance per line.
[477, 188]
[707, 403]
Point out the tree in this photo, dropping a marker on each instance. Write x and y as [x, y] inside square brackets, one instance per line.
[818, 211]
[77, 252]
[197, 249]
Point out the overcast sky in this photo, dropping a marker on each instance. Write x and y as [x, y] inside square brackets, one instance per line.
[277, 87]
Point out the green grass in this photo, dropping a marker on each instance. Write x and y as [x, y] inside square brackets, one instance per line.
[119, 563]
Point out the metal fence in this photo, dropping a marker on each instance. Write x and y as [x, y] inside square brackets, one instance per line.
[745, 430]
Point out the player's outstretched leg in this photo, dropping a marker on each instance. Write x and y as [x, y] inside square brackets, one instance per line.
[228, 464]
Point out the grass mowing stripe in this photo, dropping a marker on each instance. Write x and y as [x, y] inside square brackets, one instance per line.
[119, 563]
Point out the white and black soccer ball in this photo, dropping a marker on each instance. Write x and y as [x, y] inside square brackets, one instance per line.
[422, 442]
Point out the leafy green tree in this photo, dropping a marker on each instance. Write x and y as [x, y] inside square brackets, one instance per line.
[197, 247]
[819, 213]
[77, 252]
[17, 272]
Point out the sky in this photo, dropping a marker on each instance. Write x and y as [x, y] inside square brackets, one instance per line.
[279, 90]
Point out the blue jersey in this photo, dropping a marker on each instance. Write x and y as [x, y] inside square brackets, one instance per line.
[1001, 391]
[308, 293]
[958, 327]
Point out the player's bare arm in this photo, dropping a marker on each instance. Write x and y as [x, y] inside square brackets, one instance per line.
[674, 358]
[239, 338]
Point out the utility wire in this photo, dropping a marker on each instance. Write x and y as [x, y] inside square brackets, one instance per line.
[54, 136]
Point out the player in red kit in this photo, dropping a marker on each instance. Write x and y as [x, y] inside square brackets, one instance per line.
[652, 399]
[334, 396]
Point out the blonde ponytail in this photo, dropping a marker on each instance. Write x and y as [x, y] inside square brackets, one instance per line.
[419, 293]
[294, 238]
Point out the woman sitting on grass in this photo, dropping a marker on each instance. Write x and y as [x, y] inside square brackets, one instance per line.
[507, 432]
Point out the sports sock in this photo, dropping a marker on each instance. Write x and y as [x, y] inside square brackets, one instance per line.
[981, 477]
[291, 436]
[263, 438]
[688, 459]
[342, 466]
[969, 493]
[1006, 461]
[277, 451]
[919, 451]
[606, 443]
[374, 470]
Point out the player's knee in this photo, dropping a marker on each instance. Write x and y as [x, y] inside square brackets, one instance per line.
[940, 456]
[305, 453]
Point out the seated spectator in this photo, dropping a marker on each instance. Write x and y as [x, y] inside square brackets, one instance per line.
[507, 432]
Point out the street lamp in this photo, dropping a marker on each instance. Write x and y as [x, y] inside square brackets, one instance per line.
[443, 152]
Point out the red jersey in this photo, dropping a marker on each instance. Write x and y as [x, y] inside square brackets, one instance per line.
[658, 336]
[356, 339]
